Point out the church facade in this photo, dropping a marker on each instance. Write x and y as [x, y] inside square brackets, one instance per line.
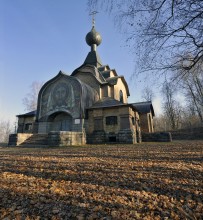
[88, 106]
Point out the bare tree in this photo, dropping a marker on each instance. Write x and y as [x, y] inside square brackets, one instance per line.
[194, 100]
[161, 31]
[190, 118]
[5, 130]
[186, 120]
[30, 100]
[171, 107]
[191, 84]
[147, 94]
[160, 123]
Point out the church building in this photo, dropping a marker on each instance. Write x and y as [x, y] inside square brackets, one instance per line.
[89, 106]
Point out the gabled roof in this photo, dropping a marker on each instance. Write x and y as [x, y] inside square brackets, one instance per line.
[32, 113]
[113, 81]
[106, 72]
[144, 107]
[104, 68]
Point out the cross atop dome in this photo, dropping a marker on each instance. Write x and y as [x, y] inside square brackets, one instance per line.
[93, 17]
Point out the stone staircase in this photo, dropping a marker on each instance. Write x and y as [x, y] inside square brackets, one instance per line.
[36, 140]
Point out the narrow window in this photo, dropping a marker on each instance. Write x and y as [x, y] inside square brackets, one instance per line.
[133, 120]
[28, 126]
[121, 96]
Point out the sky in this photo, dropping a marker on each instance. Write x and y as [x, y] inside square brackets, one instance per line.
[38, 38]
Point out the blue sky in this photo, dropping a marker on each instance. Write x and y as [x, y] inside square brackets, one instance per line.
[38, 38]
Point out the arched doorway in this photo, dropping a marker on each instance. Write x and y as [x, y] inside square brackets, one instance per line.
[60, 121]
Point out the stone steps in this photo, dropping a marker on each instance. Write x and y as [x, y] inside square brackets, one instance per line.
[36, 140]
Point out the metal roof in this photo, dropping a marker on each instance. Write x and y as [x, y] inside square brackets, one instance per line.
[32, 113]
[103, 68]
[93, 59]
[144, 107]
[108, 102]
[106, 74]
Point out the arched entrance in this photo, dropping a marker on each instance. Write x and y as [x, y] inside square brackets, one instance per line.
[60, 121]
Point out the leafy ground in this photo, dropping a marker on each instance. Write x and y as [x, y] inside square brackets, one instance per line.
[143, 181]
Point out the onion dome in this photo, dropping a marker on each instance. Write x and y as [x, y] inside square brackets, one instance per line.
[93, 38]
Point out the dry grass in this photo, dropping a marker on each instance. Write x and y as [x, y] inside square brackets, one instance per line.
[143, 181]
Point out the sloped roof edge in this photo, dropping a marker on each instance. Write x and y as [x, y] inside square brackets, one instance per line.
[93, 67]
[144, 107]
[110, 103]
[32, 113]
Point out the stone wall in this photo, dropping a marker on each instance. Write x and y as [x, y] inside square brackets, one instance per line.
[66, 138]
[55, 138]
[22, 121]
[97, 137]
[124, 136]
[157, 137]
[125, 129]
[124, 116]
[17, 139]
[127, 136]
[188, 134]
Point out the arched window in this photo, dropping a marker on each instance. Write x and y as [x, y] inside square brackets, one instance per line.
[121, 96]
